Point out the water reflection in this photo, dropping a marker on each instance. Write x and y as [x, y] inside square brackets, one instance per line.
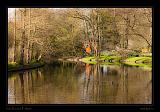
[79, 83]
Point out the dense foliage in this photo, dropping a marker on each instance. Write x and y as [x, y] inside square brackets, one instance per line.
[35, 33]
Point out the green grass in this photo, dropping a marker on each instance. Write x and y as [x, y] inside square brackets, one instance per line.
[92, 60]
[87, 60]
[12, 64]
[131, 61]
[115, 58]
[138, 58]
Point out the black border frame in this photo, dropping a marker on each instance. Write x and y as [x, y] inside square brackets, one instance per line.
[140, 107]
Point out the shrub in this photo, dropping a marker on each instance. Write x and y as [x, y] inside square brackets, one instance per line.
[33, 61]
[134, 53]
[12, 64]
[146, 54]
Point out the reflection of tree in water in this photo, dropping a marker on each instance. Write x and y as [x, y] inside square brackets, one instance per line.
[131, 85]
[79, 68]
[91, 83]
[113, 86]
[64, 83]
[86, 80]
[11, 88]
[22, 85]
[76, 83]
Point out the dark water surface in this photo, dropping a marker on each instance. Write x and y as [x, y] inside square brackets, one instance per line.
[79, 83]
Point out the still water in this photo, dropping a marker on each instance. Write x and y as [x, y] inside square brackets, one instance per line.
[79, 83]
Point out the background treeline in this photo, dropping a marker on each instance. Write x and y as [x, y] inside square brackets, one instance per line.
[47, 33]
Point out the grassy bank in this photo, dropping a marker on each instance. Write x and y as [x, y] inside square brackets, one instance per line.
[102, 60]
[13, 66]
[141, 61]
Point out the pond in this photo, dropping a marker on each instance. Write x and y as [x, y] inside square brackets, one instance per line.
[80, 83]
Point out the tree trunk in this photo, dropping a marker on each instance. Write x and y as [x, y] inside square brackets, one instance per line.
[28, 44]
[32, 45]
[99, 38]
[23, 37]
[22, 48]
[126, 33]
[15, 37]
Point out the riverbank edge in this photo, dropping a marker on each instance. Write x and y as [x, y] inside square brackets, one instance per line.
[130, 61]
[110, 60]
[26, 67]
